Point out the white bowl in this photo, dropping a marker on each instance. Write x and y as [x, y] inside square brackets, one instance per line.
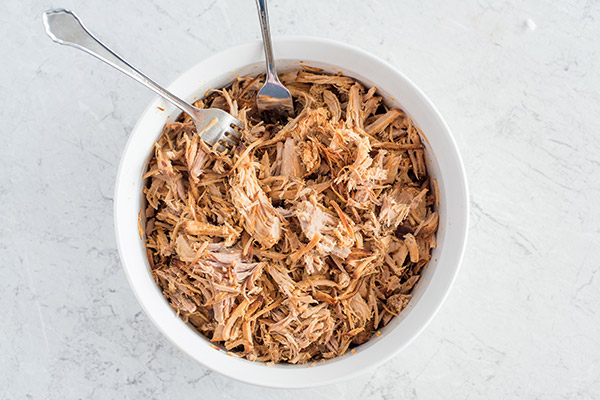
[444, 164]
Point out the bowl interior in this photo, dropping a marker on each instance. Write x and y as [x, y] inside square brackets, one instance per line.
[443, 164]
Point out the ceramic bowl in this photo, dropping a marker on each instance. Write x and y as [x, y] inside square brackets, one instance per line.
[444, 164]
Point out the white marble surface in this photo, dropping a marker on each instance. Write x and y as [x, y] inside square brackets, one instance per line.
[523, 319]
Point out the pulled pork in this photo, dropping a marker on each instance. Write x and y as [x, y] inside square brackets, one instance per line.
[308, 237]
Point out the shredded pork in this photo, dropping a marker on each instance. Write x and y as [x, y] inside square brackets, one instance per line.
[307, 238]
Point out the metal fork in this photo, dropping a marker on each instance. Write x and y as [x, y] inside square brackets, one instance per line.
[213, 125]
[273, 96]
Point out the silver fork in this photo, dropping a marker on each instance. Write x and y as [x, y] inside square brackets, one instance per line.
[273, 96]
[213, 125]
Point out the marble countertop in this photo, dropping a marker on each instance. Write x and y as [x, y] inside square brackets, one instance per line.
[519, 85]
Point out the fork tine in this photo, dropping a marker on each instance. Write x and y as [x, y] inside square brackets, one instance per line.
[230, 141]
[236, 122]
[230, 137]
[223, 145]
[221, 132]
[232, 133]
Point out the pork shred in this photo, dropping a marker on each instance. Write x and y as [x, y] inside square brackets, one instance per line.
[305, 240]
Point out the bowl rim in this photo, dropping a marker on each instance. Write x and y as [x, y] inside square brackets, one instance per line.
[318, 377]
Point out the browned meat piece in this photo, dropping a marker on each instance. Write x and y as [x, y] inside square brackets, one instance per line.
[290, 161]
[383, 121]
[259, 217]
[339, 81]
[353, 109]
[333, 104]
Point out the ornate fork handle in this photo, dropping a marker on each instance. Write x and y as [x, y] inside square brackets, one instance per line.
[65, 28]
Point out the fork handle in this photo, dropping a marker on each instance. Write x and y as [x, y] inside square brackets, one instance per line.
[65, 28]
[263, 17]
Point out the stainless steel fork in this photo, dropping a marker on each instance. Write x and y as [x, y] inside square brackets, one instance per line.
[213, 125]
[273, 97]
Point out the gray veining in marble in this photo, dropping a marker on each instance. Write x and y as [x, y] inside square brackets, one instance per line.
[523, 319]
